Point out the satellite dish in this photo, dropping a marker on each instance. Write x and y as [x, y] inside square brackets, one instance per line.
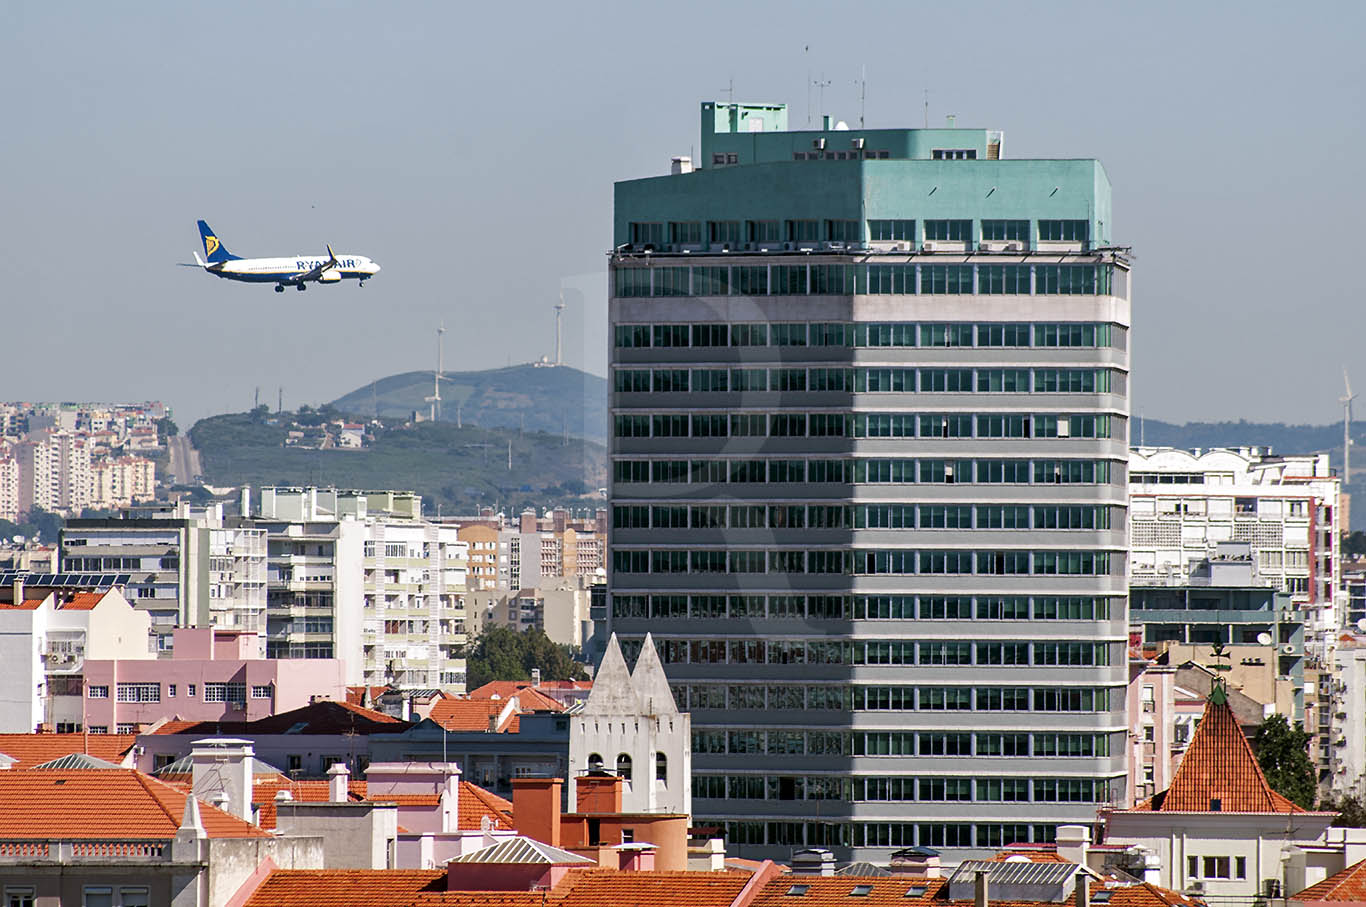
[841, 126]
[1361, 625]
[18, 540]
[1263, 639]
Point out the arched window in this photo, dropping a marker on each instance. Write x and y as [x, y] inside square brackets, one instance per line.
[595, 762]
[624, 766]
[661, 767]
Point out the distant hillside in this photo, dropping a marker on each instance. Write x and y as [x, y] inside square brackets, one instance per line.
[458, 468]
[1282, 438]
[557, 400]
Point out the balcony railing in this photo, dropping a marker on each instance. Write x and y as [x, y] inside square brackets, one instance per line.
[101, 851]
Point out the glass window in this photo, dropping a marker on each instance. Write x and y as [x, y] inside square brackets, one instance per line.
[1007, 230]
[948, 230]
[946, 279]
[891, 230]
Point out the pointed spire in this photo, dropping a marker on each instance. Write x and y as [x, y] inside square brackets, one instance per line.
[613, 693]
[651, 683]
[191, 825]
[1218, 772]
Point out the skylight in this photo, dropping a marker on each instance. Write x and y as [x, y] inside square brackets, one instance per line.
[860, 891]
[797, 891]
[916, 891]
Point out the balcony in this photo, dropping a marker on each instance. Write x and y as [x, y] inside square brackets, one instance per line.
[84, 852]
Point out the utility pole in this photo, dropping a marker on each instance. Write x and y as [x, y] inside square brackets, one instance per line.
[559, 347]
[280, 401]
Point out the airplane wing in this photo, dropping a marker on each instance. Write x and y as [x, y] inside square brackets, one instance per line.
[315, 273]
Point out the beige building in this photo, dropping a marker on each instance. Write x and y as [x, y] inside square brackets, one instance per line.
[559, 608]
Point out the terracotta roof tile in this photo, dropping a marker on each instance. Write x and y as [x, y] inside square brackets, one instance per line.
[829, 891]
[265, 789]
[1219, 769]
[528, 696]
[35, 749]
[31, 604]
[612, 888]
[96, 805]
[1348, 885]
[326, 716]
[83, 601]
[467, 714]
[476, 803]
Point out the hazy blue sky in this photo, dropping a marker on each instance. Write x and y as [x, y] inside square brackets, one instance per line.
[471, 150]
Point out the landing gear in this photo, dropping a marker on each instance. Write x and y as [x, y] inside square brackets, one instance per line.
[279, 288]
[360, 283]
[301, 287]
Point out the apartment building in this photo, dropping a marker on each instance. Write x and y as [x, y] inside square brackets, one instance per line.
[360, 576]
[54, 473]
[1182, 504]
[869, 435]
[186, 566]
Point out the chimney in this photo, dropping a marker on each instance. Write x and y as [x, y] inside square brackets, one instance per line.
[221, 770]
[1083, 892]
[536, 808]
[18, 588]
[338, 783]
[816, 861]
[535, 677]
[680, 165]
[981, 895]
[1073, 843]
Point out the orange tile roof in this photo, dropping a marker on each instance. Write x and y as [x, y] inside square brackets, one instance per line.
[467, 714]
[528, 697]
[83, 601]
[613, 888]
[1348, 885]
[326, 716]
[35, 749]
[28, 605]
[1218, 766]
[353, 694]
[476, 803]
[109, 804]
[264, 791]
[829, 891]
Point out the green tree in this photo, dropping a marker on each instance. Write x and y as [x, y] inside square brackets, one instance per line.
[1283, 754]
[1351, 811]
[501, 653]
[260, 412]
[166, 428]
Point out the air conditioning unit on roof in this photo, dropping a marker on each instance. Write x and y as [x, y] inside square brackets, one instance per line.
[927, 246]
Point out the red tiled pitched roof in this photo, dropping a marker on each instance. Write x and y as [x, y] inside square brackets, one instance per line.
[528, 696]
[353, 694]
[326, 716]
[476, 803]
[613, 888]
[830, 891]
[108, 804]
[1348, 885]
[83, 601]
[35, 749]
[467, 714]
[265, 789]
[1219, 766]
[28, 605]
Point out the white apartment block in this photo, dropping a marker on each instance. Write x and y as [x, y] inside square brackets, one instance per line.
[54, 471]
[121, 482]
[186, 566]
[1183, 503]
[361, 577]
[9, 487]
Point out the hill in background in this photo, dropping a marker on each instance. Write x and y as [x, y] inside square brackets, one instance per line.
[557, 400]
[458, 469]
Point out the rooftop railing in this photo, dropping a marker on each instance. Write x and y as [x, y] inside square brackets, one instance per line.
[98, 851]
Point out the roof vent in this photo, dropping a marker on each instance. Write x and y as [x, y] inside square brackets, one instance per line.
[1216, 805]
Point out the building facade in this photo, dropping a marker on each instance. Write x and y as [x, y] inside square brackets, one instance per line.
[870, 424]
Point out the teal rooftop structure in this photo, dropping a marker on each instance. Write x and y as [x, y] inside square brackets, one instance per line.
[761, 186]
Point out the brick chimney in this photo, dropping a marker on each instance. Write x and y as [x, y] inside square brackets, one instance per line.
[598, 793]
[536, 808]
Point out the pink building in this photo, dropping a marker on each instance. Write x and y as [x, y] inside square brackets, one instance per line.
[212, 676]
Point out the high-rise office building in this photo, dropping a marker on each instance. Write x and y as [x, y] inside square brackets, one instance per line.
[870, 419]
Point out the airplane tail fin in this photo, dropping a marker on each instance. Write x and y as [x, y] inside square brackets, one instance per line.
[214, 251]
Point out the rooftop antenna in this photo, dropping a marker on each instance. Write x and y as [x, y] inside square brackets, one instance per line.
[258, 397]
[820, 91]
[280, 401]
[927, 108]
[730, 92]
[559, 312]
[1346, 402]
[862, 93]
[509, 455]
[806, 52]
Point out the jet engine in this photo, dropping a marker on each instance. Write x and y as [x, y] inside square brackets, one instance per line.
[331, 275]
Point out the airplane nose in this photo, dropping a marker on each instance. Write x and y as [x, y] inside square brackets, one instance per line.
[375, 268]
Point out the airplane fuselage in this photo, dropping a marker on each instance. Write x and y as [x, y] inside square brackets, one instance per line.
[284, 270]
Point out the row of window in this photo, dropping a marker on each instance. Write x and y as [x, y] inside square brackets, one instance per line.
[861, 607]
[631, 282]
[734, 232]
[884, 834]
[862, 425]
[861, 516]
[869, 380]
[1045, 335]
[866, 471]
[214, 691]
[886, 652]
[900, 789]
[785, 742]
[864, 562]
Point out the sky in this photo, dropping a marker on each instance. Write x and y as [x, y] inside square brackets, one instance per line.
[470, 149]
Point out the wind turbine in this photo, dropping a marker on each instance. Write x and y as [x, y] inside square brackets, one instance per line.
[1346, 402]
[435, 398]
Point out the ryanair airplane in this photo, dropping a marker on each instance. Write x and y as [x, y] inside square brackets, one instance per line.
[297, 271]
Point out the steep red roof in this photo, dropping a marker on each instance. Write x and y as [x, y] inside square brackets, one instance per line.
[83, 601]
[530, 698]
[35, 749]
[354, 694]
[1218, 772]
[326, 716]
[1348, 885]
[468, 714]
[476, 803]
[28, 605]
[613, 888]
[116, 804]
[835, 891]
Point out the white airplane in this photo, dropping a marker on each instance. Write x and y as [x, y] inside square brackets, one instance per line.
[297, 271]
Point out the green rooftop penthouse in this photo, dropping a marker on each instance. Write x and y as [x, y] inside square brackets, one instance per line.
[762, 187]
